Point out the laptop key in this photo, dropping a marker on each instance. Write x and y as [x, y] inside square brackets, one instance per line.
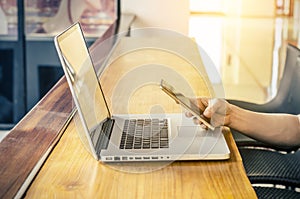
[145, 134]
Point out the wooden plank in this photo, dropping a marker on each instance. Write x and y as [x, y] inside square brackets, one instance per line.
[31, 139]
[72, 172]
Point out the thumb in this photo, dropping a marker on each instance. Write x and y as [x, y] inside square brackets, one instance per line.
[212, 108]
[209, 109]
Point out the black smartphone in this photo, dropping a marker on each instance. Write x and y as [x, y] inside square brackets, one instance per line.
[185, 102]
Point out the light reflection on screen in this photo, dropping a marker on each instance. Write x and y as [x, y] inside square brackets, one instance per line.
[84, 80]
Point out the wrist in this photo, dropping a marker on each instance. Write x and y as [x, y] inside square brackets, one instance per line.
[232, 115]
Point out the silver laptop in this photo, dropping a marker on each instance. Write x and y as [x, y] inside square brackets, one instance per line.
[129, 137]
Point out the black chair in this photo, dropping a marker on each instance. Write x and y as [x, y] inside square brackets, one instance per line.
[270, 167]
[269, 164]
[275, 193]
[288, 95]
[264, 167]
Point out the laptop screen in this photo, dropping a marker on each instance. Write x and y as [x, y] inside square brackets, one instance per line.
[78, 66]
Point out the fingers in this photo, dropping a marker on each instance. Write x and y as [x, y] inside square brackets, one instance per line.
[198, 122]
[195, 120]
[202, 103]
[217, 120]
[214, 110]
[215, 106]
[189, 114]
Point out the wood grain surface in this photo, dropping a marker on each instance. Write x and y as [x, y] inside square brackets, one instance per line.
[71, 172]
[33, 138]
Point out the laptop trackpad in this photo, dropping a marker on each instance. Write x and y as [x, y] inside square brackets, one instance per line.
[191, 131]
[201, 141]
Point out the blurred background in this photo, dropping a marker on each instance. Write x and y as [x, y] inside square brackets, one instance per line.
[246, 40]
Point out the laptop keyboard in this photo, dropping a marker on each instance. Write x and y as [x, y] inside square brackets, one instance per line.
[145, 134]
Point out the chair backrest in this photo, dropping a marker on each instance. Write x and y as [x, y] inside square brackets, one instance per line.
[287, 99]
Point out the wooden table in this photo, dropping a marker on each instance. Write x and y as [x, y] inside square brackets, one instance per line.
[52, 152]
[70, 171]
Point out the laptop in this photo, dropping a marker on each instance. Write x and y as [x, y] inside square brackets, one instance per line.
[129, 137]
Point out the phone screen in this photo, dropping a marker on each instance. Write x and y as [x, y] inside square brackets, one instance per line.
[185, 102]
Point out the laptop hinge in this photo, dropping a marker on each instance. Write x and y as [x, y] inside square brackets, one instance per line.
[104, 133]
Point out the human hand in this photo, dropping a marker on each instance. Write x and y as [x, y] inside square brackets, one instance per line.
[216, 110]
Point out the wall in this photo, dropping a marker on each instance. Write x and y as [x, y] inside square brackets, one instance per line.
[167, 14]
[247, 8]
[258, 8]
[250, 8]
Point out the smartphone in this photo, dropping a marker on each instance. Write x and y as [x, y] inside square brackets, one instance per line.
[185, 102]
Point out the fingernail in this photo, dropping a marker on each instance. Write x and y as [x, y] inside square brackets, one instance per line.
[203, 126]
[206, 112]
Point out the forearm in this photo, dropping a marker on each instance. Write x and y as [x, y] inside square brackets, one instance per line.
[280, 129]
